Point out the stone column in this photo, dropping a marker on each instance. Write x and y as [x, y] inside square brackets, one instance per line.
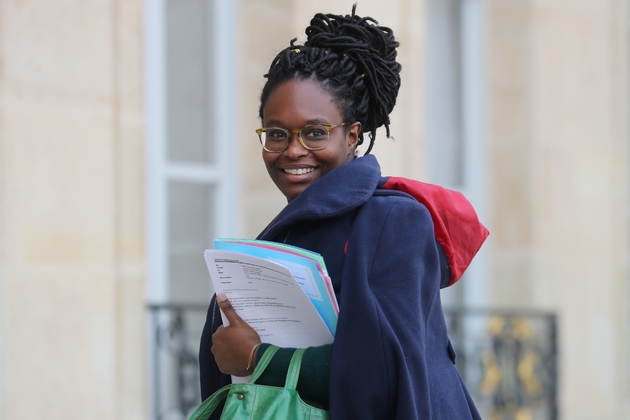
[71, 210]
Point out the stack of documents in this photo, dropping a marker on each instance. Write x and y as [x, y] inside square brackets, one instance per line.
[283, 292]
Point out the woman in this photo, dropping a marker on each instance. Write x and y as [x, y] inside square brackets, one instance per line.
[388, 252]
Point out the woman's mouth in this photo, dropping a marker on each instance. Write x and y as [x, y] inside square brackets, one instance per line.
[298, 171]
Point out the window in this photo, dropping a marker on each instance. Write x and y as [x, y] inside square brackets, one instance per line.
[191, 180]
[190, 197]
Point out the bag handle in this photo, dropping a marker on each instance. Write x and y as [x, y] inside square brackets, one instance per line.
[294, 369]
[263, 363]
[210, 404]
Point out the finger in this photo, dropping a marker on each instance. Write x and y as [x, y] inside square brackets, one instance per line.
[228, 309]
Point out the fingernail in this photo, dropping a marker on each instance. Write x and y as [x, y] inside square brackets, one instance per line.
[221, 297]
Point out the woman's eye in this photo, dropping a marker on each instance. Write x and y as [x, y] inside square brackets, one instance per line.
[316, 133]
[276, 134]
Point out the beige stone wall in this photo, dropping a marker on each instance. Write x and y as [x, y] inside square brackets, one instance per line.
[71, 186]
[71, 210]
[558, 162]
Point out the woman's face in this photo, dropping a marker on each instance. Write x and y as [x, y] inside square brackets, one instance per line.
[293, 105]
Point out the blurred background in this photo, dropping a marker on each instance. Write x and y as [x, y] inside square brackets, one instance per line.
[127, 145]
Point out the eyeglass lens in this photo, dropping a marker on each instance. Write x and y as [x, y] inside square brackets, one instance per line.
[313, 137]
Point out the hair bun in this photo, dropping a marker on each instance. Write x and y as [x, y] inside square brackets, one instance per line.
[373, 50]
[351, 34]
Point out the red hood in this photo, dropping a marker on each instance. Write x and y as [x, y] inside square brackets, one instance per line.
[456, 225]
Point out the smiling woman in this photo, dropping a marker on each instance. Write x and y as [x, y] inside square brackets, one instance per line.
[295, 167]
[387, 252]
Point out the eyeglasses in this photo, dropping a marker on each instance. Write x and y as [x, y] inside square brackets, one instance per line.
[312, 137]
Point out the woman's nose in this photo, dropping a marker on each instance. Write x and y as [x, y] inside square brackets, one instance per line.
[295, 148]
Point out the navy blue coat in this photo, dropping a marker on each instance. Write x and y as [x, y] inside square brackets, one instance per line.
[391, 358]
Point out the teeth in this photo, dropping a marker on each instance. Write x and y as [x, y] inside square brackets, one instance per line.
[299, 171]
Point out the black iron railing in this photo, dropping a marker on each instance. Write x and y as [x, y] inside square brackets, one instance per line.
[175, 336]
[507, 358]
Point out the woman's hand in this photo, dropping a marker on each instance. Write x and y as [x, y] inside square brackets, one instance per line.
[232, 345]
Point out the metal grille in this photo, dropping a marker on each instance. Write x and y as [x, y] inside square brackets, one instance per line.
[175, 336]
[508, 360]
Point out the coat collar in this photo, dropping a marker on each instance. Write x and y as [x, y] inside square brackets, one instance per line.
[339, 191]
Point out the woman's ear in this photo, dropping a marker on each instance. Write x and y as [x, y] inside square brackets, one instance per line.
[353, 135]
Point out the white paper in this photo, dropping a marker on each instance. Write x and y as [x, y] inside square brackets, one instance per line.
[268, 298]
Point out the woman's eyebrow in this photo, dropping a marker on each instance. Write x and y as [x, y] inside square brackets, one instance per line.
[278, 123]
[273, 123]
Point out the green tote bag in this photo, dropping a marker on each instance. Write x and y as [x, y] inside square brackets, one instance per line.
[261, 402]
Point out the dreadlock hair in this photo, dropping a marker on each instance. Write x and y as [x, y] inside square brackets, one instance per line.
[353, 59]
